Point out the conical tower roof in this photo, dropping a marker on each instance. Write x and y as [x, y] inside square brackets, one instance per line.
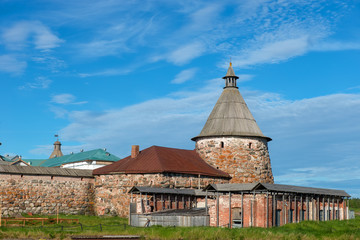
[231, 116]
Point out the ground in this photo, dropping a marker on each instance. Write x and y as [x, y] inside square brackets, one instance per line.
[92, 225]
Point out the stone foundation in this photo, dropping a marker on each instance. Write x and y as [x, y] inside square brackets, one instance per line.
[246, 159]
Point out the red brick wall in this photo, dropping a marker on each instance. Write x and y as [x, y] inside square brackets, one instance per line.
[259, 203]
[246, 159]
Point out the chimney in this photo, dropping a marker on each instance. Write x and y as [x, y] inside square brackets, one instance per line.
[134, 151]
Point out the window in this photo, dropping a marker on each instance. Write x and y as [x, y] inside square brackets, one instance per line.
[250, 145]
[222, 144]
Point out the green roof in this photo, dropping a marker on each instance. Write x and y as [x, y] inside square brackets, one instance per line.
[96, 155]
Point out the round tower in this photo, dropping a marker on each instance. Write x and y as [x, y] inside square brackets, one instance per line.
[232, 141]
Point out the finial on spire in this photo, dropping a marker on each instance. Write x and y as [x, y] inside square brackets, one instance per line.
[230, 77]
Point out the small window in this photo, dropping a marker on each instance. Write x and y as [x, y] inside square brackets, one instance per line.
[250, 145]
[222, 144]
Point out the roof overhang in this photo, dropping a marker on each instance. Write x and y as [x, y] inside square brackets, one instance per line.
[274, 188]
[229, 135]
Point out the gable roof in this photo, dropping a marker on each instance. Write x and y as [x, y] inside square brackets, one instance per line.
[96, 155]
[157, 159]
[11, 160]
[245, 187]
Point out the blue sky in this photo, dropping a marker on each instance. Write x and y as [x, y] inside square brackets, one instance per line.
[117, 73]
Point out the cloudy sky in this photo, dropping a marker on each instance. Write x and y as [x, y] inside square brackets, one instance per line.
[117, 73]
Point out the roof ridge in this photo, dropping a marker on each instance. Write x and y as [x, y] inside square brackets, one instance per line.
[158, 159]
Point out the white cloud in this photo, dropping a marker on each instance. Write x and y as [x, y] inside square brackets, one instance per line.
[20, 34]
[336, 46]
[52, 63]
[121, 37]
[39, 83]
[59, 112]
[186, 53]
[108, 72]
[66, 98]
[245, 77]
[10, 64]
[274, 52]
[184, 76]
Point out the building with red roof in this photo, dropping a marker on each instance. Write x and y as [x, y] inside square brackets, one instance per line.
[230, 162]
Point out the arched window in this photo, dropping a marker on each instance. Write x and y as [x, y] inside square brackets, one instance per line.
[222, 144]
[250, 145]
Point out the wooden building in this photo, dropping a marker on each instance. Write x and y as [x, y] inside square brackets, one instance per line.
[252, 205]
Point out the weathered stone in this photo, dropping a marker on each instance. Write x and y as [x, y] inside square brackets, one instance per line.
[228, 154]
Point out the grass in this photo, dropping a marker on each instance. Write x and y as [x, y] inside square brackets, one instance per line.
[349, 229]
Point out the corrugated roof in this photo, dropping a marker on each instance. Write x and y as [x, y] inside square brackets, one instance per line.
[309, 190]
[96, 154]
[29, 170]
[231, 117]
[157, 159]
[275, 188]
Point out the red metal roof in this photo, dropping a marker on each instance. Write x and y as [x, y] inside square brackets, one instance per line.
[157, 159]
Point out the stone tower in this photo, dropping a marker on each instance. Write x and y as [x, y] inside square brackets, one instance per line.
[57, 150]
[232, 141]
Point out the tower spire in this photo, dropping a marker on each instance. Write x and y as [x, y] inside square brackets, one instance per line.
[57, 148]
[230, 77]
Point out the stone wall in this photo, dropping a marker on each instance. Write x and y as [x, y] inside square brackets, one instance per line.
[112, 196]
[44, 194]
[246, 159]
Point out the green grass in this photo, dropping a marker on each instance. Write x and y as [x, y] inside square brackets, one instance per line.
[91, 226]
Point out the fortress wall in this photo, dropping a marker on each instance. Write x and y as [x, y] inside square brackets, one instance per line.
[20, 193]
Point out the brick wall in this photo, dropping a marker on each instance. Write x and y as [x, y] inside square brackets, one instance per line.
[246, 159]
[43, 194]
[112, 196]
[255, 206]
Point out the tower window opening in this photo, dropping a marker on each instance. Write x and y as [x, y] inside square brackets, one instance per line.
[222, 144]
[250, 145]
